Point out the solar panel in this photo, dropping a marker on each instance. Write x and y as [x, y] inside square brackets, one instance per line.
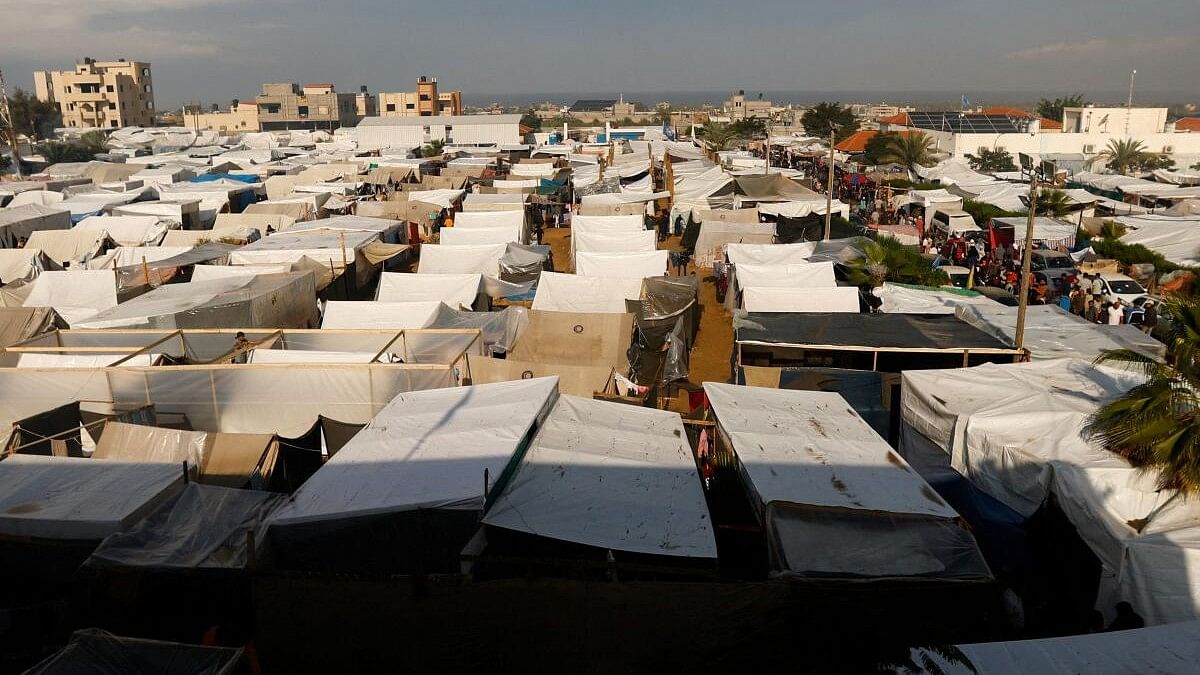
[968, 123]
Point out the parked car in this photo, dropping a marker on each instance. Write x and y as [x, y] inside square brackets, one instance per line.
[959, 276]
[1053, 264]
[1120, 286]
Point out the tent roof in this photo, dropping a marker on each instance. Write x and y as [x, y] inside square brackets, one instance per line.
[611, 476]
[71, 498]
[862, 330]
[426, 449]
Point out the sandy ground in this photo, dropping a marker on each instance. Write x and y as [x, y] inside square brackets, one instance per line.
[714, 342]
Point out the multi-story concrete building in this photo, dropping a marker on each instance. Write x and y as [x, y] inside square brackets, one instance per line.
[241, 117]
[739, 108]
[426, 101]
[365, 103]
[100, 94]
[413, 132]
[284, 106]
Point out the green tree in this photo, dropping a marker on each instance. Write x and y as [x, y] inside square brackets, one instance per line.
[876, 147]
[819, 119]
[1053, 110]
[434, 148]
[1156, 425]
[717, 135]
[749, 128]
[662, 114]
[1112, 230]
[93, 142]
[992, 160]
[33, 118]
[531, 120]
[886, 259]
[1124, 155]
[909, 150]
[1053, 203]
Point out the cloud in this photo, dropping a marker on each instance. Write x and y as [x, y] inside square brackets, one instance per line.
[1058, 49]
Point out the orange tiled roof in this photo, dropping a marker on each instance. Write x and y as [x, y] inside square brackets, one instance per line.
[900, 119]
[1191, 124]
[857, 142]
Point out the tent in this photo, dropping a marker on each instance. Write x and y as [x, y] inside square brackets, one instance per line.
[456, 290]
[816, 472]
[405, 494]
[1176, 239]
[472, 219]
[76, 295]
[379, 314]
[769, 254]
[612, 477]
[18, 324]
[1051, 333]
[438, 259]
[96, 651]
[577, 380]
[575, 338]
[716, 235]
[1053, 232]
[231, 460]
[573, 293]
[20, 222]
[69, 246]
[907, 299]
[479, 236]
[499, 330]
[177, 214]
[1014, 431]
[800, 299]
[265, 301]
[624, 265]
[38, 196]
[613, 242]
[23, 264]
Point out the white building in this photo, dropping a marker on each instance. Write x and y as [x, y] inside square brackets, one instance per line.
[413, 132]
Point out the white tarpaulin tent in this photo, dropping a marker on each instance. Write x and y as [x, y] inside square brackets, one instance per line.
[426, 454]
[69, 246]
[456, 290]
[716, 235]
[1051, 333]
[629, 265]
[20, 222]
[769, 254]
[364, 314]
[76, 295]
[905, 299]
[613, 242]
[1176, 239]
[23, 264]
[479, 236]
[801, 209]
[437, 259]
[1044, 229]
[1015, 431]
[573, 293]
[838, 299]
[1173, 648]
[792, 275]
[472, 219]
[77, 499]
[503, 202]
[611, 476]
[817, 472]
[210, 272]
[442, 198]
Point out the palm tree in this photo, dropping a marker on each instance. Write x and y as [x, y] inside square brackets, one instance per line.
[1112, 230]
[909, 150]
[718, 136]
[1156, 424]
[886, 259]
[1053, 203]
[434, 148]
[1124, 154]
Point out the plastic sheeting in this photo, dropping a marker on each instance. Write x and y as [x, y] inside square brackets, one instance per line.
[791, 275]
[456, 290]
[1051, 333]
[77, 295]
[424, 450]
[838, 299]
[23, 264]
[574, 293]
[623, 265]
[95, 652]
[769, 254]
[1016, 432]
[1176, 239]
[71, 498]
[818, 472]
[439, 259]
[906, 299]
[232, 460]
[611, 476]
[203, 527]
[363, 314]
[499, 330]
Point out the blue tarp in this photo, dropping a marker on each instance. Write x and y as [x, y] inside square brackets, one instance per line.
[209, 177]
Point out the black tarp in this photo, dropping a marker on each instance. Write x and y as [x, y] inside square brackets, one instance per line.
[666, 319]
[893, 331]
[811, 228]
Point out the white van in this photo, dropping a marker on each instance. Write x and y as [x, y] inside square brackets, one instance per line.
[950, 219]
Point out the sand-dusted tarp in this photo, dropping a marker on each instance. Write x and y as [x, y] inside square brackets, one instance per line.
[231, 460]
[69, 246]
[202, 527]
[716, 235]
[23, 264]
[573, 379]
[265, 301]
[263, 222]
[380, 314]
[773, 187]
[726, 215]
[18, 324]
[626, 264]
[816, 471]
[19, 222]
[77, 499]
[576, 338]
[425, 462]
[574, 293]
[91, 648]
[611, 476]
[395, 210]
[76, 295]
[456, 290]
[798, 299]
[499, 330]
[297, 211]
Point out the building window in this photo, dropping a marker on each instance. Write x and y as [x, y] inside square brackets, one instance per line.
[108, 88]
[145, 72]
[149, 105]
[112, 106]
[271, 108]
[146, 88]
[410, 106]
[302, 111]
[391, 107]
[67, 89]
[114, 124]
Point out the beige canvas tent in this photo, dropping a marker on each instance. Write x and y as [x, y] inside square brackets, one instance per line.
[230, 460]
[577, 380]
[576, 338]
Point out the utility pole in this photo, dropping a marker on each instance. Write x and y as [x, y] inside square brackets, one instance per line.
[6, 117]
[829, 196]
[1026, 253]
[1129, 103]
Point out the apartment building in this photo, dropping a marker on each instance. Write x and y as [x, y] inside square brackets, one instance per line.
[425, 101]
[738, 107]
[241, 117]
[100, 94]
[283, 106]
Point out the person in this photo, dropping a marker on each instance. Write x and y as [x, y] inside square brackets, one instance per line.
[1150, 320]
[1092, 312]
[1114, 313]
[1064, 302]
[1062, 285]
[538, 230]
[448, 219]
[1043, 291]
[241, 347]
[1135, 314]
[972, 257]
[21, 241]
[1127, 619]
[1097, 285]
[679, 225]
[1078, 300]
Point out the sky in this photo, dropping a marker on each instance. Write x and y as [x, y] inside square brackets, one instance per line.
[217, 50]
